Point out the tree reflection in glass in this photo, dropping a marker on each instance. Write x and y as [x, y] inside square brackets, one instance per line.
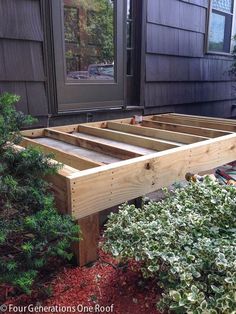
[89, 39]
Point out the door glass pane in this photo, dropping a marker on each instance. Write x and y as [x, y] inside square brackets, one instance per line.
[217, 32]
[89, 39]
[223, 5]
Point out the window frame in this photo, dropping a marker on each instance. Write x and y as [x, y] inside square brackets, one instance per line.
[84, 94]
[233, 29]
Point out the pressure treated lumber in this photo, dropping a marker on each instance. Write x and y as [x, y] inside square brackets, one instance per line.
[86, 249]
[117, 183]
[174, 137]
[70, 159]
[59, 184]
[80, 151]
[137, 140]
[62, 172]
[198, 123]
[148, 122]
[132, 148]
[84, 193]
[89, 144]
[34, 133]
[202, 118]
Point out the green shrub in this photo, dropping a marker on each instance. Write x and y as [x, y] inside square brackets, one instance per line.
[32, 233]
[187, 242]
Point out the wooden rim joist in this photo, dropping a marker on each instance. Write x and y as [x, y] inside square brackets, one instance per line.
[110, 162]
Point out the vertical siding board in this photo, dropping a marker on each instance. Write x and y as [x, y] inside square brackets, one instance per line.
[20, 19]
[2, 61]
[178, 14]
[222, 108]
[172, 41]
[37, 101]
[21, 61]
[161, 68]
[164, 94]
[21, 54]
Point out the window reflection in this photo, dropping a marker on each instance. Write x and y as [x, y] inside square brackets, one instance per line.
[89, 39]
[217, 32]
[223, 5]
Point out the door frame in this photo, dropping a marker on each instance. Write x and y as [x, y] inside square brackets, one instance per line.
[76, 96]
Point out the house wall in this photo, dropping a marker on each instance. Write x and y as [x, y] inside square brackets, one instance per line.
[21, 55]
[176, 73]
[27, 65]
[179, 75]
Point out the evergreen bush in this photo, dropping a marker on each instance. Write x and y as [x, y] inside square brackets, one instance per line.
[32, 233]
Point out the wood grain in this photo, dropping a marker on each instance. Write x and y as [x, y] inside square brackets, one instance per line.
[197, 123]
[126, 180]
[70, 159]
[127, 138]
[183, 128]
[90, 144]
[86, 249]
[155, 133]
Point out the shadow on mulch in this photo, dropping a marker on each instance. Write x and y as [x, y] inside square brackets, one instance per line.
[120, 288]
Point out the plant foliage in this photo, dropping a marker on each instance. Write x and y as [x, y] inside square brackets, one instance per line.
[187, 242]
[31, 230]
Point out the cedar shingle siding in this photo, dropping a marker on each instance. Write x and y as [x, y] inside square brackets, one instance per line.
[180, 76]
[176, 73]
[21, 54]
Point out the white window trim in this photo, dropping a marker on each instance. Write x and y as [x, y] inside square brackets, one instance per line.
[233, 30]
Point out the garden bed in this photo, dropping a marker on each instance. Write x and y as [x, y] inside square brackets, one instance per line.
[104, 284]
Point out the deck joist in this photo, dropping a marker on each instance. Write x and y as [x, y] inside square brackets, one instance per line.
[110, 162]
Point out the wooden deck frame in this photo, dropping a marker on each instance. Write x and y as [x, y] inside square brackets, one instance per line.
[90, 187]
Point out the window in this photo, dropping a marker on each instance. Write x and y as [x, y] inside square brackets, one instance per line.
[89, 53]
[89, 39]
[220, 27]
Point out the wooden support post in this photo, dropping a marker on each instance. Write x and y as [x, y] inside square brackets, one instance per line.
[86, 250]
[84, 194]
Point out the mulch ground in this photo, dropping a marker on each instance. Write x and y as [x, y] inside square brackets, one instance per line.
[99, 286]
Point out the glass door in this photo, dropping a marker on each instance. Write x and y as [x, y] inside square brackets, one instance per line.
[88, 47]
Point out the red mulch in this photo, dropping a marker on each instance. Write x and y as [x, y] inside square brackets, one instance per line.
[100, 284]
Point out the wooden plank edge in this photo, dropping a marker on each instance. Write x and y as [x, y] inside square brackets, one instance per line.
[64, 171]
[70, 159]
[119, 182]
[211, 133]
[107, 149]
[195, 122]
[224, 120]
[131, 139]
[156, 133]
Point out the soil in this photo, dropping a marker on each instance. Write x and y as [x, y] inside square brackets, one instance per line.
[106, 287]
